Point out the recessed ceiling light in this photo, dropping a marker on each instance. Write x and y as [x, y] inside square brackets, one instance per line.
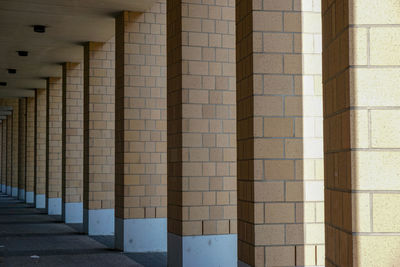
[12, 71]
[22, 53]
[3, 84]
[39, 28]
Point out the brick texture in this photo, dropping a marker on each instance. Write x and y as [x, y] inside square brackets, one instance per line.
[279, 131]
[3, 159]
[201, 100]
[22, 146]
[73, 132]
[141, 114]
[54, 141]
[41, 140]
[30, 144]
[361, 107]
[9, 149]
[99, 125]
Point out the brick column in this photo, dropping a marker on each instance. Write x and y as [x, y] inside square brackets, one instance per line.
[141, 131]
[22, 149]
[73, 143]
[99, 144]
[40, 147]
[4, 156]
[30, 150]
[1, 155]
[361, 79]
[54, 145]
[15, 147]
[280, 151]
[201, 133]
[9, 152]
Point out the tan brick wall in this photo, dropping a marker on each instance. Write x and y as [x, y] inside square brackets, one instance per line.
[2, 155]
[9, 148]
[73, 130]
[15, 139]
[54, 128]
[141, 114]
[361, 108]
[21, 144]
[99, 125]
[41, 139]
[280, 161]
[30, 144]
[201, 85]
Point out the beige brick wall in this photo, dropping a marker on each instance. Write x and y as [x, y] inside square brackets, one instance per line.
[15, 137]
[41, 140]
[361, 107]
[2, 152]
[73, 130]
[9, 148]
[54, 145]
[99, 125]
[280, 159]
[201, 117]
[22, 145]
[141, 114]
[30, 144]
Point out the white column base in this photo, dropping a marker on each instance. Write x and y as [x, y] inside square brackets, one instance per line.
[98, 222]
[30, 197]
[199, 251]
[14, 191]
[41, 201]
[141, 235]
[9, 190]
[54, 206]
[21, 194]
[73, 212]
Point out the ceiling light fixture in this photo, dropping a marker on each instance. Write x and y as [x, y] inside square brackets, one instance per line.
[39, 28]
[12, 71]
[3, 84]
[22, 53]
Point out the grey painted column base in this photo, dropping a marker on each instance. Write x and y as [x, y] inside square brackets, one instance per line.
[73, 212]
[3, 188]
[41, 201]
[14, 191]
[30, 197]
[199, 251]
[98, 222]
[9, 190]
[54, 206]
[21, 194]
[141, 235]
[242, 264]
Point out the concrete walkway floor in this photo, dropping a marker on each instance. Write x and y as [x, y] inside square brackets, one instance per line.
[30, 237]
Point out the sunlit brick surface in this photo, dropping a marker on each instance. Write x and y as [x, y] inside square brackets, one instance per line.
[41, 139]
[30, 145]
[22, 145]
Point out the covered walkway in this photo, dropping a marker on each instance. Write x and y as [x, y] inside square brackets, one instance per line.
[30, 237]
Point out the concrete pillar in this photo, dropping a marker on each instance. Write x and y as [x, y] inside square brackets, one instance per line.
[22, 148]
[279, 127]
[361, 80]
[4, 156]
[99, 127]
[201, 100]
[141, 131]
[40, 147]
[54, 145]
[9, 153]
[30, 150]
[72, 187]
[15, 147]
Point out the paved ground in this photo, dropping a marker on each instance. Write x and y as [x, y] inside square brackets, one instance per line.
[30, 237]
